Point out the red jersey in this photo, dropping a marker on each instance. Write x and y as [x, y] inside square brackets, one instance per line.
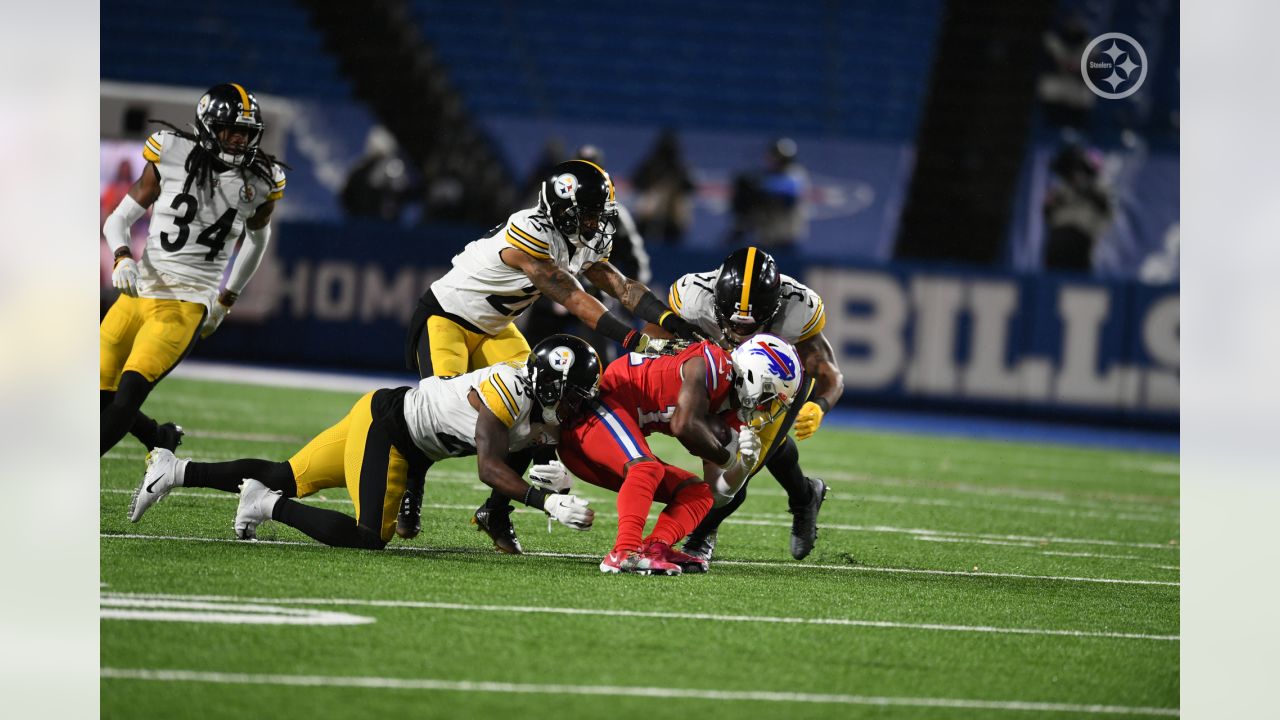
[650, 386]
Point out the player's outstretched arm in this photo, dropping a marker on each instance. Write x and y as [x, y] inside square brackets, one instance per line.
[639, 300]
[124, 276]
[689, 423]
[819, 362]
[492, 439]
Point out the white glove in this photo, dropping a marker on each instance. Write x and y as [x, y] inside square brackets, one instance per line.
[552, 477]
[653, 346]
[569, 510]
[749, 448]
[125, 277]
[217, 314]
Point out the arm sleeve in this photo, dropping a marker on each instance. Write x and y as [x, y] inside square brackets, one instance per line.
[248, 259]
[116, 227]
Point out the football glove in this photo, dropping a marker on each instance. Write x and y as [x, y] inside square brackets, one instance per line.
[217, 313]
[808, 420]
[551, 477]
[569, 510]
[125, 276]
[749, 448]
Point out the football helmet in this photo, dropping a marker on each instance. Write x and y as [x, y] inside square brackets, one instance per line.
[564, 372]
[578, 195]
[748, 293]
[766, 378]
[229, 107]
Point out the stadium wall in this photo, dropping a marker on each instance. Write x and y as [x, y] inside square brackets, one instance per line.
[916, 336]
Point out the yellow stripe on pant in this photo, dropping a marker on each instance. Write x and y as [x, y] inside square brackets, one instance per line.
[148, 336]
[356, 453]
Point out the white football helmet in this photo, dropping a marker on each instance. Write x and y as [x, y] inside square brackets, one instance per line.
[766, 377]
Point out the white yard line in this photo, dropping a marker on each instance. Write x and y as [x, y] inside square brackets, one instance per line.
[207, 601]
[749, 563]
[1091, 555]
[928, 534]
[1055, 510]
[1100, 501]
[480, 686]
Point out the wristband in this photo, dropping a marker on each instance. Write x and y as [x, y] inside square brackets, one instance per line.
[535, 497]
[650, 308]
[611, 327]
[228, 298]
[121, 253]
[823, 405]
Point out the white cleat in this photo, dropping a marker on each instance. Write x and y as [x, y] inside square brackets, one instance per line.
[256, 503]
[160, 477]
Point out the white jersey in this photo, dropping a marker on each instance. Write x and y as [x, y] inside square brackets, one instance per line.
[442, 421]
[800, 312]
[193, 233]
[489, 293]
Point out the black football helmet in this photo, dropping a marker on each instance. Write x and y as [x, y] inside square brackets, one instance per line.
[748, 292]
[564, 372]
[578, 195]
[229, 106]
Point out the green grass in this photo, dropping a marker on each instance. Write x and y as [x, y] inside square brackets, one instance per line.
[1017, 528]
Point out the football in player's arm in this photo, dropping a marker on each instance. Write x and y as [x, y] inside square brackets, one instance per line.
[745, 296]
[207, 187]
[389, 436]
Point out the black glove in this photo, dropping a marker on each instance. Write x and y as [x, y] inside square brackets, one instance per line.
[680, 327]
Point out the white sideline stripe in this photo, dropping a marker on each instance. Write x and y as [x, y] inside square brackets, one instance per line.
[252, 602]
[387, 683]
[1167, 567]
[123, 606]
[918, 533]
[594, 558]
[278, 377]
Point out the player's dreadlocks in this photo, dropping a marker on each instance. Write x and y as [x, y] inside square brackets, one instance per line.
[201, 163]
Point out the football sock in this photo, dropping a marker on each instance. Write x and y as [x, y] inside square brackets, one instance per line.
[119, 415]
[328, 526]
[683, 513]
[144, 428]
[717, 515]
[635, 497]
[227, 476]
[785, 468]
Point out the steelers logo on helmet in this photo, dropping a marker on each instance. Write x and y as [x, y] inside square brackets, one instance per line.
[561, 359]
[566, 186]
[203, 105]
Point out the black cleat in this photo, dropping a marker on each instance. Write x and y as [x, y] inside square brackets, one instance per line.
[168, 436]
[804, 524]
[701, 546]
[496, 523]
[409, 521]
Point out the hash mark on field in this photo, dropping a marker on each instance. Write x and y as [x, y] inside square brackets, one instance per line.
[480, 686]
[1092, 555]
[255, 602]
[596, 558]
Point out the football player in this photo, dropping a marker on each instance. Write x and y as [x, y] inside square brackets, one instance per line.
[207, 187]
[675, 395]
[391, 436]
[465, 319]
[745, 296]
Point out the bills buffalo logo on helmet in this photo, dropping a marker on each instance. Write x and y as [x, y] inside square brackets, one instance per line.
[566, 186]
[778, 362]
[562, 359]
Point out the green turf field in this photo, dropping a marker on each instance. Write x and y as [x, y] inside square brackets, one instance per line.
[952, 578]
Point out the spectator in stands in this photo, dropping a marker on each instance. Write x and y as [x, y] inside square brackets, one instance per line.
[628, 255]
[664, 187]
[1077, 209]
[379, 183]
[769, 206]
[552, 155]
[1067, 100]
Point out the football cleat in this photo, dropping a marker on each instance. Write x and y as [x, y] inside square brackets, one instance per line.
[256, 503]
[409, 521]
[169, 436]
[686, 562]
[496, 523]
[804, 523]
[701, 546]
[638, 562]
[160, 477]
